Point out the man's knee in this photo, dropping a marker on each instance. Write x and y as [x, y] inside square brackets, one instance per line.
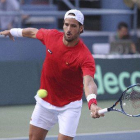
[64, 137]
[37, 133]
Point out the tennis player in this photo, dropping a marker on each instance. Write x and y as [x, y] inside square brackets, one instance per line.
[68, 64]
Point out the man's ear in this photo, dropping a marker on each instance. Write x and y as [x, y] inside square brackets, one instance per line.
[81, 29]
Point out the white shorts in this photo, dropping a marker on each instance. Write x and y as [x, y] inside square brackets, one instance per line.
[68, 118]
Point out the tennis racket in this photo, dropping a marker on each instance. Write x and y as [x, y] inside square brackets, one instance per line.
[129, 102]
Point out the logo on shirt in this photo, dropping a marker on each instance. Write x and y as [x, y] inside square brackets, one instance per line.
[67, 63]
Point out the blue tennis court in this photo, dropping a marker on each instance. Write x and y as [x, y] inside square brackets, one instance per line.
[135, 135]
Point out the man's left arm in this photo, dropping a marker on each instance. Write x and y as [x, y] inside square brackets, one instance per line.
[91, 94]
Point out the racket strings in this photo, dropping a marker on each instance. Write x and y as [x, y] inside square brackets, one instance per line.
[131, 101]
[135, 98]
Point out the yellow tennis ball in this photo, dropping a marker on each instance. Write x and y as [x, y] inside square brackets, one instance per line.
[42, 93]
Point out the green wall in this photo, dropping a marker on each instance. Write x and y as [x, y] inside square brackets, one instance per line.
[20, 80]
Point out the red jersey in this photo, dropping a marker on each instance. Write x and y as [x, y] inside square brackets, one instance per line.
[64, 68]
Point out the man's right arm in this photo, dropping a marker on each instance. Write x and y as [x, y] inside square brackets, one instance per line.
[29, 32]
[17, 32]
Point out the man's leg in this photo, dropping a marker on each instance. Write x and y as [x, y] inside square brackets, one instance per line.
[68, 123]
[42, 121]
[63, 137]
[36, 133]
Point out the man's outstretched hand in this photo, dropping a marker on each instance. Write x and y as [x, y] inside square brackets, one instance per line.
[7, 33]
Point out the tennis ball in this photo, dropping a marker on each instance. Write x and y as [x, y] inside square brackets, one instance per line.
[42, 93]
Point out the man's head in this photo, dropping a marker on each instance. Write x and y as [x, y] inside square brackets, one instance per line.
[123, 30]
[73, 24]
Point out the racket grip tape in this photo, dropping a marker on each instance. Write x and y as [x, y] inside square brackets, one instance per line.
[102, 111]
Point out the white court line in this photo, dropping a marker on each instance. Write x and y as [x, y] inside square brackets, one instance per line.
[83, 134]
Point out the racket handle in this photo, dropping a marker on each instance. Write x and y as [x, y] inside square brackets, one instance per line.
[102, 111]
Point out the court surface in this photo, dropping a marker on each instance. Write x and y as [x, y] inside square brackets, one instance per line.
[14, 124]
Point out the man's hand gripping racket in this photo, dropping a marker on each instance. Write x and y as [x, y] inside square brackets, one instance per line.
[129, 102]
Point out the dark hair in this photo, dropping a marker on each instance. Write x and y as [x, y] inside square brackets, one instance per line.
[122, 24]
[71, 14]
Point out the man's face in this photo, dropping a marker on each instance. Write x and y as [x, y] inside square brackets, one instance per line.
[123, 32]
[71, 29]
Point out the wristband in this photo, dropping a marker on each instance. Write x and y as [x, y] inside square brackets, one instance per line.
[91, 96]
[16, 32]
[91, 99]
